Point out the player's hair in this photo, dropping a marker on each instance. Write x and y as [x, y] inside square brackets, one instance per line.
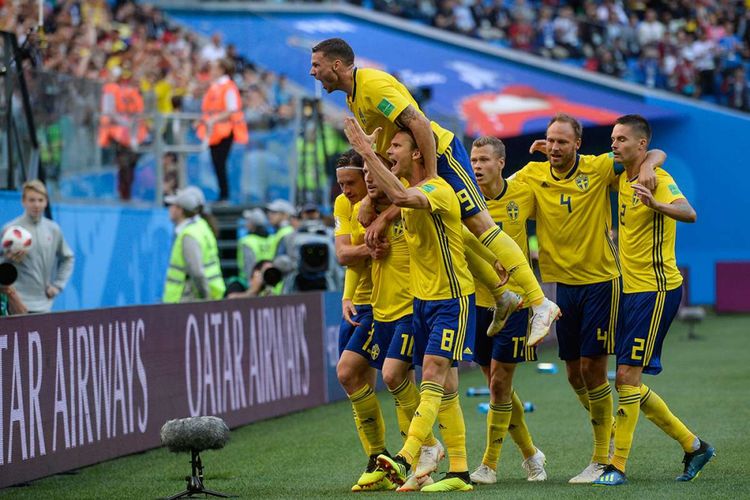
[566, 118]
[487, 140]
[351, 160]
[411, 136]
[34, 185]
[638, 123]
[336, 48]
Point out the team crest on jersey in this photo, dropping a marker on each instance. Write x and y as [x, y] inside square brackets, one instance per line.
[582, 181]
[398, 228]
[636, 200]
[375, 352]
[513, 210]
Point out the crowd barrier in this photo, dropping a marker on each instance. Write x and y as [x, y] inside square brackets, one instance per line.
[77, 388]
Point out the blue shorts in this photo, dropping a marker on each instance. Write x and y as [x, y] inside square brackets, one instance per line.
[590, 315]
[444, 328]
[454, 166]
[346, 331]
[399, 337]
[508, 346]
[646, 317]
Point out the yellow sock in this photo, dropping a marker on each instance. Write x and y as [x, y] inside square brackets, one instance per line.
[361, 434]
[498, 420]
[583, 396]
[423, 420]
[406, 396]
[366, 406]
[518, 430]
[513, 260]
[480, 267]
[658, 412]
[600, 408]
[628, 408]
[453, 430]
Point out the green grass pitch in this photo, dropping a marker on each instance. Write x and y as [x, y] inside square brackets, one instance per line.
[316, 454]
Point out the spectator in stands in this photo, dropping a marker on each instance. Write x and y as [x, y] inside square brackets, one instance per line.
[194, 272]
[214, 50]
[257, 245]
[650, 30]
[223, 122]
[45, 268]
[122, 126]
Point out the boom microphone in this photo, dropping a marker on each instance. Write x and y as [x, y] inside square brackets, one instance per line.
[194, 434]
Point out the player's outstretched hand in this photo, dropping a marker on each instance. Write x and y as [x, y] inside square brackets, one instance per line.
[361, 142]
[16, 257]
[645, 195]
[540, 146]
[348, 310]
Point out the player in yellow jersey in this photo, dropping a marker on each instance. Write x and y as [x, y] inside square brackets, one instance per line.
[510, 204]
[443, 300]
[573, 220]
[355, 374]
[652, 287]
[379, 101]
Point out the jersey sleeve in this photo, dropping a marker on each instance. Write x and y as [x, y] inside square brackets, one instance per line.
[357, 231]
[342, 214]
[386, 98]
[438, 195]
[607, 167]
[667, 190]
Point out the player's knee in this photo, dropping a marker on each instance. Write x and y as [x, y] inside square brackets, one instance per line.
[628, 375]
[500, 388]
[349, 376]
[392, 379]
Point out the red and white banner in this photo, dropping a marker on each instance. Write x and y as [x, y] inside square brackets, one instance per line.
[77, 388]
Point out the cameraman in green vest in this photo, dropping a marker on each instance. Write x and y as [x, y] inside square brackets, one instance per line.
[257, 245]
[194, 272]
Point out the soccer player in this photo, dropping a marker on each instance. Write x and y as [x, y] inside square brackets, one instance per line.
[378, 100]
[391, 337]
[510, 204]
[354, 372]
[571, 194]
[443, 300]
[652, 287]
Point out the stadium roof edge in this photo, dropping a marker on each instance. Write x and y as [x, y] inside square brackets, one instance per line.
[446, 37]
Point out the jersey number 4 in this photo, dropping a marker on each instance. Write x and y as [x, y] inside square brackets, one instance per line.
[565, 200]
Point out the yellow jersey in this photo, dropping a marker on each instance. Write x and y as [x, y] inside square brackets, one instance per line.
[510, 210]
[363, 294]
[391, 293]
[435, 236]
[647, 238]
[342, 216]
[378, 99]
[573, 219]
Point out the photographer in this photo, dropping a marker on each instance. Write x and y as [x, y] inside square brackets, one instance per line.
[10, 301]
[263, 282]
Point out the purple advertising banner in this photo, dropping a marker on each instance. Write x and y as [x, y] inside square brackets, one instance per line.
[81, 387]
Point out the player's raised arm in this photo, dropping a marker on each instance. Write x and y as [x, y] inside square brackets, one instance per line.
[419, 125]
[389, 183]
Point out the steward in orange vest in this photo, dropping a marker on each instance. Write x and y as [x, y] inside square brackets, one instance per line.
[121, 103]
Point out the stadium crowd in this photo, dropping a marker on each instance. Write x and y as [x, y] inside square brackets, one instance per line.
[97, 39]
[697, 49]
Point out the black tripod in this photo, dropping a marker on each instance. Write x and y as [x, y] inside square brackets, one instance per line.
[195, 481]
